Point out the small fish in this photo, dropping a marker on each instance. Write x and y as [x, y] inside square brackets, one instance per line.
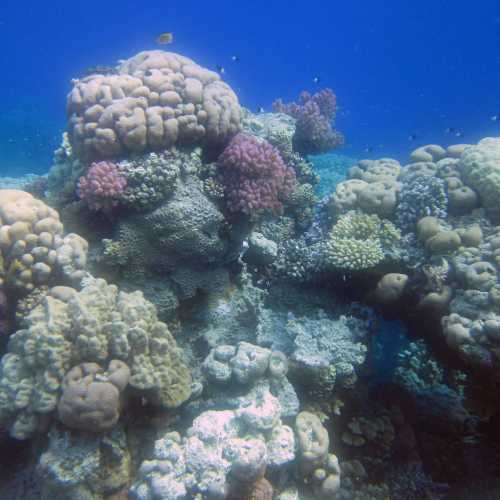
[449, 130]
[369, 149]
[459, 134]
[316, 79]
[412, 137]
[165, 38]
[235, 58]
[220, 69]
[260, 109]
[495, 118]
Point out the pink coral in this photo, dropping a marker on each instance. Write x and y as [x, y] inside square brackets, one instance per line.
[102, 187]
[254, 175]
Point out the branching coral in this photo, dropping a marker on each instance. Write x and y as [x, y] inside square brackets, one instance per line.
[314, 115]
[360, 241]
[254, 175]
[102, 186]
[420, 196]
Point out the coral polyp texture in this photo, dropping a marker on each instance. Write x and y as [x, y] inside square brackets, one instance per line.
[314, 115]
[97, 325]
[480, 168]
[254, 175]
[360, 241]
[33, 247]
[156, 99]
[102, 186]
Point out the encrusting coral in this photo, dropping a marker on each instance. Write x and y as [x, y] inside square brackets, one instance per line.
[98, 324]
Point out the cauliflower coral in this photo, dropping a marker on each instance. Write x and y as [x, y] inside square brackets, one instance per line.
[254, 175]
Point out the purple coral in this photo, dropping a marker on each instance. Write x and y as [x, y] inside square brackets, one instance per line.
[102, 187]
[314, 115]
[254, 175]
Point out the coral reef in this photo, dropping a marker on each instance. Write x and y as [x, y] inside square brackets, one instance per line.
[98, 325]
[223, 451]
[254, 175]
[33, 247]
[102, 186]
[155, 100]
[314, 115]
[359, 241]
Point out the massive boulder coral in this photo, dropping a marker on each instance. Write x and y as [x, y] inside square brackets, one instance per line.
[480, 168]
[224, 453]
[98, 324]
[32, 245]
[315, 464]
[155, 100]
[91, 396]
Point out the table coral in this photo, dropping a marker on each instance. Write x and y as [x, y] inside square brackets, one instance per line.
[157, 99]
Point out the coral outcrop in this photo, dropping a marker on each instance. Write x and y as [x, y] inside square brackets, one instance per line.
[98, 325]
[224, 451]
[254, 175]
[314, 115]
[32, 244]
[155, 100]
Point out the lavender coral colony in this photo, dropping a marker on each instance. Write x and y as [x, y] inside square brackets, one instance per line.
[254, 175]
[198, 343]
[314, 115]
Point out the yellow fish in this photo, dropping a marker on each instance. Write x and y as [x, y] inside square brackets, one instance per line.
[165, 38]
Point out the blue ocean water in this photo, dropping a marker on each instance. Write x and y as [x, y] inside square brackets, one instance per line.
[399, 69]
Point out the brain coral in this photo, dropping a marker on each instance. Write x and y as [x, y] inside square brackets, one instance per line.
[32, 245]
[156, 99]
[98, 324]
[480, 168]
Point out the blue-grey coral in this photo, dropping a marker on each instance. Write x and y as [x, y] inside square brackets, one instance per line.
[420, 196]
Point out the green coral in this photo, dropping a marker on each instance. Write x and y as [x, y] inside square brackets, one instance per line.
[360, 241]
[97, 325]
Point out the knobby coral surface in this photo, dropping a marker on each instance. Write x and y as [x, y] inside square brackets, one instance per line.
[254, 175]
[156, 99]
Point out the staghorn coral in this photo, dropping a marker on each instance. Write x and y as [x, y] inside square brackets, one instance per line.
[254, 175]
[102, 186]
[360, 241]
[95, 325]
[314, 115]
[156, 100]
